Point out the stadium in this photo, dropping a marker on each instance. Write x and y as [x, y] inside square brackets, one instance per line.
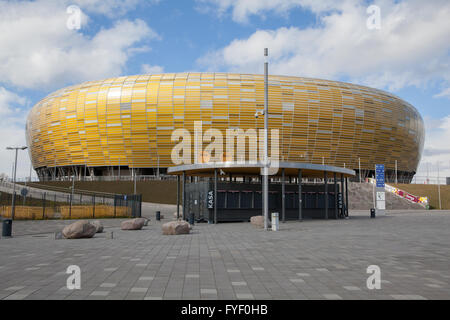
[123, 125]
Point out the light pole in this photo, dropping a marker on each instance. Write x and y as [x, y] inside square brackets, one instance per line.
[14, 179]
[396, 172]
[439, 187]
[359, 169]
[266, 139]
[134, 177]
[265, 112]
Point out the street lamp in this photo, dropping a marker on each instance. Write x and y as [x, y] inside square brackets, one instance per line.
[266, 139]
[14, 179]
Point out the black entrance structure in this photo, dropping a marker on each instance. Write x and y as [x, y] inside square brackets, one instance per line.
[229, 191]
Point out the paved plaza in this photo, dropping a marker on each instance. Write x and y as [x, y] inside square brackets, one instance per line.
[304, 260]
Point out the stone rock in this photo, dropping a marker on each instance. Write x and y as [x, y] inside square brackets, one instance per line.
[258, 221]
[133, 224]
[146, 221]
[98, 226]
[176, 227]
[79, 229]
[142, 220]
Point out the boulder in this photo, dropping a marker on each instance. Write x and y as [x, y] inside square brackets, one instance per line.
[98, 226]
[176, 227]
[133, 224]
[257, 221]
[79, 229]
[146, 221]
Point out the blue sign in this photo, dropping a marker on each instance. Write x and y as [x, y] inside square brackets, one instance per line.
[379, 175]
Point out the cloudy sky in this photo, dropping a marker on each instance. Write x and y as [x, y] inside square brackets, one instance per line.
[409, 55]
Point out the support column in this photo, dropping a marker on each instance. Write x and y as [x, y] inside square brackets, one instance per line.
[346, 197]
[178, 197]
[342, 195]
[300, 209]
[335, 197]
[283, 196]
[184, 195]
[215, 196]
[325, 177]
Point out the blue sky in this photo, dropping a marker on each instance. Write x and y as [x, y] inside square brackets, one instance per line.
[409, 55]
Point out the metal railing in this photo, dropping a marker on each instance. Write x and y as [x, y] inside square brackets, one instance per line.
[98, 178]
[60, 203]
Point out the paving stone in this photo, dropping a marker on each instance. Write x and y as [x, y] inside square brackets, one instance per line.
[297, 280]
[352, 288]
[100, 293]
[244, 296]
[300, 274]
[239, 283]
[208, 291]
[145, 278]
[14, 288]
[16, 296]
[153, 298]
[407, 297]
[332, 296]
[226, 260]
[139, 290]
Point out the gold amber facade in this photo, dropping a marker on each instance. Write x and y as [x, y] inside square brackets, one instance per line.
[128, 121]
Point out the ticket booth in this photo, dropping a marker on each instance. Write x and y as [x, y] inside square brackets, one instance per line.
[215, 193]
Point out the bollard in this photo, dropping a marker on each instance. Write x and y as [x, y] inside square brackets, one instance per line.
[275, 221]
[372, 213]
[191, 218]
[7, 228]
[158, 215]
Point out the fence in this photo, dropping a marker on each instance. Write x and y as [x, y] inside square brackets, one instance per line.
[98, 178]
[428, 180]
[38, 204]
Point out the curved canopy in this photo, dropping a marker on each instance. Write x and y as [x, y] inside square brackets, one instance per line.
[309, 170]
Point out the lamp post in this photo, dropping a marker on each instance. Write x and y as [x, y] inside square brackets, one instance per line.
[266, 144]
[265, 112]
[14, 179]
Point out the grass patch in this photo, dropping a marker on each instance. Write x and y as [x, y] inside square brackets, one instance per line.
[430, 191]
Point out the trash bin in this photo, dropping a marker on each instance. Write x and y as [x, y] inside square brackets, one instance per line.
[372, 213]
[7, 228]
[158, 215]
[275, 221]
[191, 218]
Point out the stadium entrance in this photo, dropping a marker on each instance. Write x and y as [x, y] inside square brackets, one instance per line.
[219, 192]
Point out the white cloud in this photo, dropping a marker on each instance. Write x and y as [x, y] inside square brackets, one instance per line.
[443, 93]
[148, 69]
[39, 52]
[43, 53]
[437, 149]
[7, 100]
[410, 49]
[241, 10]
[109, 8]
[12, 124]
